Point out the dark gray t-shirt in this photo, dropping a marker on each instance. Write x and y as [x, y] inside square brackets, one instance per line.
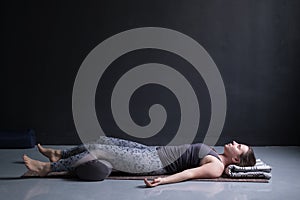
[178, 158]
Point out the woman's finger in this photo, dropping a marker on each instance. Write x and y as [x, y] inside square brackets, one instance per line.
[154, 183]
[147, 182]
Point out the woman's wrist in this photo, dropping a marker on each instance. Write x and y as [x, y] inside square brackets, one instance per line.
[162, 180]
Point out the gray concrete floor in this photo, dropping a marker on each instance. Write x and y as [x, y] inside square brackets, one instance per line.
[285, 182]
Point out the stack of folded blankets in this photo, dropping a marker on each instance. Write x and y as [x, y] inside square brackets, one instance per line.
[259, 170]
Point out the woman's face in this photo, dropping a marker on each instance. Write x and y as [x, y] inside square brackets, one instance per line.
[235, 149]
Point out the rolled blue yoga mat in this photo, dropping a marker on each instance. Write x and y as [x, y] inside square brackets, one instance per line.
[17, 139]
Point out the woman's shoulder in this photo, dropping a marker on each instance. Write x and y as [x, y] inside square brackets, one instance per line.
[212, 159]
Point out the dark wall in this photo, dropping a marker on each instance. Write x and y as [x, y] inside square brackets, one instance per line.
[255, 45]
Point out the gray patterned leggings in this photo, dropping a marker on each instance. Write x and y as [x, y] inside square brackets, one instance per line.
[123, 155]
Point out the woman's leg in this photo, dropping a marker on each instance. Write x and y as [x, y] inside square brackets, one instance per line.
[68, 164]
[119, 142]
[128, 159]
[55, 154]
[125, 159]
[66, 153]
[102, 140]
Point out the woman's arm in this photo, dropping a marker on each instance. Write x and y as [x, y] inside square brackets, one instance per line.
[208, 170]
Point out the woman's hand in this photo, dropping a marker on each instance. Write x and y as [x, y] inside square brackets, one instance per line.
[154, 182]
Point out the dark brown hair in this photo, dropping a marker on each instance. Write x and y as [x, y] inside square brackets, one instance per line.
[248, 158]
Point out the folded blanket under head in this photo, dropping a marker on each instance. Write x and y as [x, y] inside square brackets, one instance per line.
[259, 170]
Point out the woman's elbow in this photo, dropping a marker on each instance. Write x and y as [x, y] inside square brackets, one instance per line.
[216, 174]
[208, 175]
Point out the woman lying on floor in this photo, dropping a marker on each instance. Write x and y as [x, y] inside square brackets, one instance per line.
[184, 162]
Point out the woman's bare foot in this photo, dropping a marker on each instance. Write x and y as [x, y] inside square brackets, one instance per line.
[41, 168]
[52, 154]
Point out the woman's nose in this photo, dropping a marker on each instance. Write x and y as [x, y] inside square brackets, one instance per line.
[234, 142]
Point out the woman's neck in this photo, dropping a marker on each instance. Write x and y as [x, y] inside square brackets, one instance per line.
[225, 160]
